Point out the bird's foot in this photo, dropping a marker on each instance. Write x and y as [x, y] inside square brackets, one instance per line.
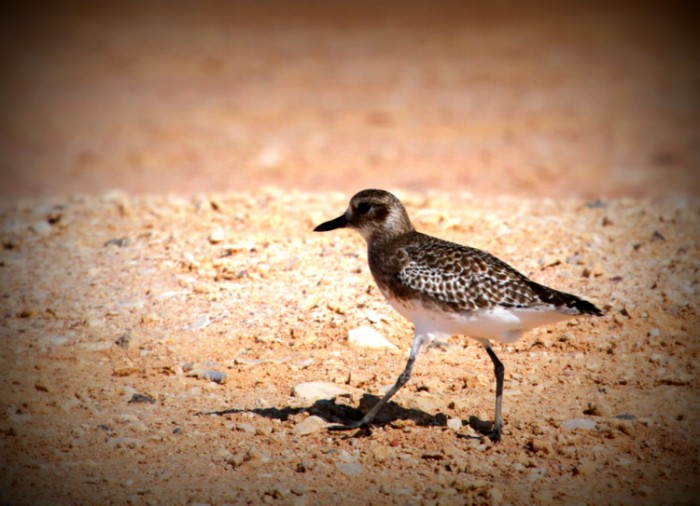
[494, 435]
[360, 424]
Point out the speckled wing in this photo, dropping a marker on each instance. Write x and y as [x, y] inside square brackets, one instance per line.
[466, 279]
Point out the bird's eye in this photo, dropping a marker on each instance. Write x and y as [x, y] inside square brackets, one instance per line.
[363, 208]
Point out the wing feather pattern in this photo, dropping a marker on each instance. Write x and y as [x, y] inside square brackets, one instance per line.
[464, 278]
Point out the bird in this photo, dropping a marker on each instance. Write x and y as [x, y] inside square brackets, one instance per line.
[447, 289]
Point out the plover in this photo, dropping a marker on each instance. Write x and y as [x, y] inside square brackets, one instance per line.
[448, 289]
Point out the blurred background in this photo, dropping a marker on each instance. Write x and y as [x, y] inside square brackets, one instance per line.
[587, 99]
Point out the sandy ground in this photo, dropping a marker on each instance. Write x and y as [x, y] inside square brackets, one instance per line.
[564, 142]
[122, 296]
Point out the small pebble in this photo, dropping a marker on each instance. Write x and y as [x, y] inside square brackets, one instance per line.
[596, 204]
[598, 407]
[375, 317]
[496, 495]
[245, 427]
[124, 340]
[310, 425]
[249, 361]
[455, 424]
[315, 390]
[344, 456]
[350, 468]
[41, 387]
[579, 423]
[367, 337]
[125, 442]
[382, 453]
[309, 302]
[151, 318]
[645, 490]
[217, 235]
[676, 378]
[59, 340]
[141, 399]
[257, 459]
[304, 363]
[123, 371]
[304, 467]
[222, 455]
[401, 491]
[41, 227]
[278, 492]
[202, 322]
[120, 242]
[207, 374]
[585, 468]
[94, 322]
[298, 489]
[541, 446]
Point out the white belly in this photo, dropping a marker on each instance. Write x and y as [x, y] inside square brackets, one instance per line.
[498, 323]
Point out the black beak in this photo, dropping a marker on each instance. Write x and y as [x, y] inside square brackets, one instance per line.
[340, 222]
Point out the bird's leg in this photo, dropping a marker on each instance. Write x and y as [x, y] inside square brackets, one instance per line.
[499, 370]
[403, 378]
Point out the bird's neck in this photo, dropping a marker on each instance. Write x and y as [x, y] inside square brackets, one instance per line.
[377, 238]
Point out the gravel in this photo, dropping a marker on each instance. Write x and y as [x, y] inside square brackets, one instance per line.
[278, 334]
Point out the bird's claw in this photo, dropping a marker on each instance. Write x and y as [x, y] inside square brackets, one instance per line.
[494, 435]
[363, 428]
[349, 426]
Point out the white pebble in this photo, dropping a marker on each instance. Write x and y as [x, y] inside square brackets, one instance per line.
[350, 469]
[202, 322]
[310, 425]
[59, 340]
[41, 227]
[217, 235]
[94, 322]
[367, 337]
[454, 423]
[315, 390]
[579, 423]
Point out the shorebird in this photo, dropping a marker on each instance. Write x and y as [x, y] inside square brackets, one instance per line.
[447, 289]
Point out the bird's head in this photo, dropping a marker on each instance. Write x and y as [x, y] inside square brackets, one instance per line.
[374, 214]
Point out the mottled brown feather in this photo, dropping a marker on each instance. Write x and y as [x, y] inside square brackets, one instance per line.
[461, 278]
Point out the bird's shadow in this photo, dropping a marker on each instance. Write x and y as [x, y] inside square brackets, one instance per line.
[335, 413]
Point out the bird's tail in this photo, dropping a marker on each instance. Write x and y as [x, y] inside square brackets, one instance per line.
[566, 300]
